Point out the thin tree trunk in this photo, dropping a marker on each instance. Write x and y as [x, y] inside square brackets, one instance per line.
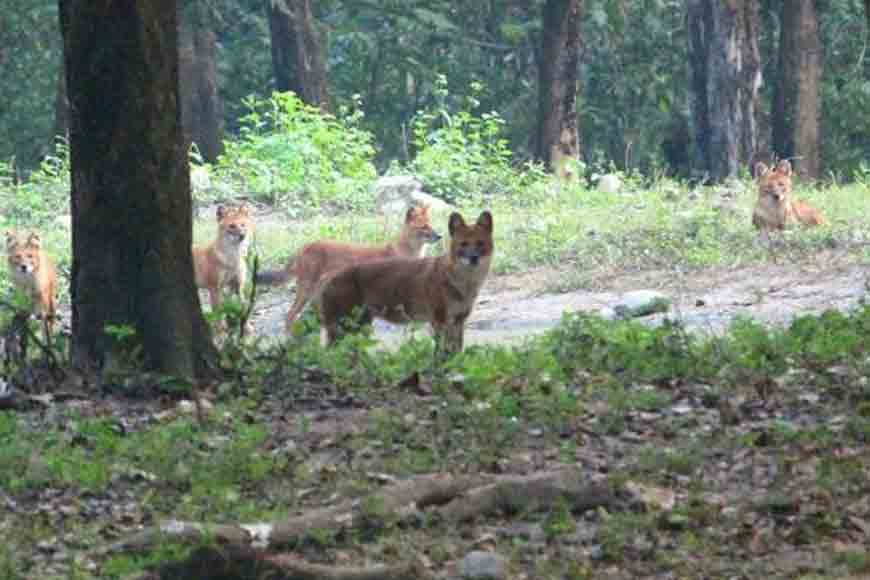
[750, 81]
[283, 45]
[201, 105]
[131, 204]
[797, 106]
[557, 143]
[725, 79]
[297, 52]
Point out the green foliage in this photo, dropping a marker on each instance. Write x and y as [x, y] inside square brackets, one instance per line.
[633, 352]
[43, 196]
[629, 100]
[462, 155]
[213, 462]
[389, 55]
[32, 61]
[628, 349]
[294, 156]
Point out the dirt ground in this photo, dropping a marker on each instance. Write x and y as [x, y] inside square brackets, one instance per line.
[512, 307]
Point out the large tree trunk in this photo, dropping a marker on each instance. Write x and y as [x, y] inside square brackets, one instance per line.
[797, 106]
[131, 205]
[200, 101]
[297, 52]
[725, 77]
[557, 142]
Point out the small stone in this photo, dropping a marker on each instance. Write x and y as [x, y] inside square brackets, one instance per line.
[641, 303]
[483, 565]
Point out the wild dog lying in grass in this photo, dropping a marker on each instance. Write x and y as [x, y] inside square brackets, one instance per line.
[222, 263]
[775, 208]
[441, 291]
[317, 260]
[33, 274]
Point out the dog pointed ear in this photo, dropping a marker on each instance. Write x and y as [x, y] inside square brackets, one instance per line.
[34, 240]
[784, 167]
[11, 239]
[761, 169]
[455, 223]
[485, 221]
[220, 212]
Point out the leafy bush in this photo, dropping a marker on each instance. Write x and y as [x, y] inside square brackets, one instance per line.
[43, 196]
[460, 155]
[292, 155]
[629, 348]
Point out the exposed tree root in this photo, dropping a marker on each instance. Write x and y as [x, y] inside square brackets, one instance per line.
[244, 563]
[528, 494]
[454, 498]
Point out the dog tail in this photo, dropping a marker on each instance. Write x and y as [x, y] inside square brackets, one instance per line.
[277, 277]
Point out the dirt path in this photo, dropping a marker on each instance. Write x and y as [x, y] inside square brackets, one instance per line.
[513, 307]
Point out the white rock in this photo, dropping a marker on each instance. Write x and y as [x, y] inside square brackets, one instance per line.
[609, 183]
[395, 193]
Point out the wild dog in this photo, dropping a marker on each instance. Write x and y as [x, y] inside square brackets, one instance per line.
[440, 290]
[318, 260]
[34, 275]
[222, 263]
[775, 208]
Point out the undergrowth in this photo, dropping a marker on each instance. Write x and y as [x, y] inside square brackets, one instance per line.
[222, 461]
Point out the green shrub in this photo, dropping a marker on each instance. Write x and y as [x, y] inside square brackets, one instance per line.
[293, 155]
[43, 196]
[462, 155]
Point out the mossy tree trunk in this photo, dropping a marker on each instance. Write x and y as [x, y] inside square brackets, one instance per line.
[797, 105]
[298, 59]
[131, 204]
[557, 142]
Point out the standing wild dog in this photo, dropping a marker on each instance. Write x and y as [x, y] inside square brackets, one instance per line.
[315, 261]
[222, 263]
[441, 291]
[775, 208]
[33, 274]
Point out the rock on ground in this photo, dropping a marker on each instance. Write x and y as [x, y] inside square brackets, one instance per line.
[640, 303]
[395, 193]
[479, 565]
[609, 183]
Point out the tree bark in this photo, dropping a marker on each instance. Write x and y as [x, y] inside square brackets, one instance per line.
[200, 102]
[297, 51]
[725, 76]
[131, 204]
[558, 141]
[797, 105]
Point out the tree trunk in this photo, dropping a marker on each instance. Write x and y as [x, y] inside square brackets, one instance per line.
[297, 53]
[200, 101]
[797, 106]
[725, 75]
[557, 143]
[131, 205]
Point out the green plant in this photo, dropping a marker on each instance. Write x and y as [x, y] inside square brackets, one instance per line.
[292, 155]
[559, 521]
[461, 155]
